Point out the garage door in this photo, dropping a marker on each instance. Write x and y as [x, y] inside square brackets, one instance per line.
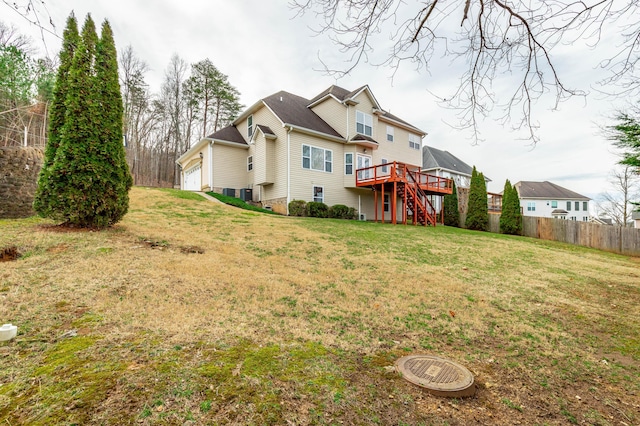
[192, 179]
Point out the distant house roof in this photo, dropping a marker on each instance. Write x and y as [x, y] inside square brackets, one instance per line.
[433, 158]
[547, 190]
[559, 212]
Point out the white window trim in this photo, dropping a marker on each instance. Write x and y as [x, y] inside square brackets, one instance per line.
[390, 132]
[349, 164]
[313, 193]
[250, 163]
[415, 142]
[364, 116]
[250, 126]
[324, 162]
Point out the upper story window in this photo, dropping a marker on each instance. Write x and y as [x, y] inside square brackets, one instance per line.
[577, 205]
[315, 158]
[568, 206]
[531, 206]
[389, 133]
[414, 141]
[364, 123]
[348, 163]
[585, 206]
[250, 126]
[250, 163]
[554, 204]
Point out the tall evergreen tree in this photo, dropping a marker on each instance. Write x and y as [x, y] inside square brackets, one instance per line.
[89, 176]
[57, 113]
[451, 212]
[478, 209]
[510, 218]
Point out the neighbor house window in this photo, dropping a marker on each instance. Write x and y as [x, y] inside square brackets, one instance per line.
[554, 204]
[577, 205]
[531, 206]
[414, 141]
[250, 163]
[568, 206]
[250, 126]
[385, 169]
[585, 206]
[364, 123]
[348, 163]
[386, 202]
[315, 158]
[390, 133]
[573, 218]
[318, 194]
[585, 218]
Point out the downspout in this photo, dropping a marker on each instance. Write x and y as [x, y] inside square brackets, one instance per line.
[211, 166]
[288, 168]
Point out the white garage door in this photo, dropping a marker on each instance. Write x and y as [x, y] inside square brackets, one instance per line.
[192, 179]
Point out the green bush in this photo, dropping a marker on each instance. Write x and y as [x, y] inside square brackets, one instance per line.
[451, 212]
[297, 208]
[315, 209]
[340, 211]
[510, 218]
[477, 210]
[353, 213]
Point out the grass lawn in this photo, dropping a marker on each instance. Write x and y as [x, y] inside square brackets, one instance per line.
[193, 312]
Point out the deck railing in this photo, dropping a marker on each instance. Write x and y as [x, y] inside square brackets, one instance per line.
[396, 171]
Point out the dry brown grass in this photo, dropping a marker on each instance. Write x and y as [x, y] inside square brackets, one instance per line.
[537, 322]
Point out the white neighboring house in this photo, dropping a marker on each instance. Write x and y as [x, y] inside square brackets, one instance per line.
[546, 199]
[636, 219]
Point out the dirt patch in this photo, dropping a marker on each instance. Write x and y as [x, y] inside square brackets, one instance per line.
[8, 254]
[191, 250]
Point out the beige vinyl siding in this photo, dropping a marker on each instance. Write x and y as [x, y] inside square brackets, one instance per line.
[263, 161]
[229, 166]
[334, 113]
[274, 159]
[365, 105]
[399, 149]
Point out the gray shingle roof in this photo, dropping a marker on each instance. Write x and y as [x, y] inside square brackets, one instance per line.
[292, 109]
[228, 134]
[433, 158]
[265, 129]
[547, 190]
[359, 137]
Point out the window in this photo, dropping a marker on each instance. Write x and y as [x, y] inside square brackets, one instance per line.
[318, 194]
[531, 206]
[317, 158]
[573, 218]
[554, 204]
[414, 141]
[386, 203]
[250, 126]
[389, 133]
[585, 218]
[585, 206]
[348, 163]
[577, 205]
[385, 169]
[250, 163]
[364, 123]
[568, 206]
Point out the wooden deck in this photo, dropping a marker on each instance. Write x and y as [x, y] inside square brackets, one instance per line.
[415, 188]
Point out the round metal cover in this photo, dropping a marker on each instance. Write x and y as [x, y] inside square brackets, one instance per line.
[438, 375]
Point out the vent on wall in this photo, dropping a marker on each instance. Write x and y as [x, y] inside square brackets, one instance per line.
[363, 216]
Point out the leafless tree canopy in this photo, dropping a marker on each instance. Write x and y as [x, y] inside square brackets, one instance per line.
[496, 38]
[616, 203]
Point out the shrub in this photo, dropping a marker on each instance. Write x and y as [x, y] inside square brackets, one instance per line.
[340, 211]
[478, 210]
[353, 213]
[510, 218]
[451, 212]
[297, 208]
[315, 209]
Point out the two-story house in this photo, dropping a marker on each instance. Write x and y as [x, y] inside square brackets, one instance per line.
[546, 199]
[286, 147]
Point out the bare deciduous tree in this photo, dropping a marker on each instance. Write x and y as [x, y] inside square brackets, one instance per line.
[512, 39]
[617, 204]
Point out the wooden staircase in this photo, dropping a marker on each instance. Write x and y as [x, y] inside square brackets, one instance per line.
[412, 186]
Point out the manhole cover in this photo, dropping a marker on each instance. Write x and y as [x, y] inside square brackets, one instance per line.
[438, 375]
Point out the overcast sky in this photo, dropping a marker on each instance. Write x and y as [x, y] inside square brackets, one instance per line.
[263, 48]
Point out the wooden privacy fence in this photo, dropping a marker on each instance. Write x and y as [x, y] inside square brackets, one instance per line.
[603, 237]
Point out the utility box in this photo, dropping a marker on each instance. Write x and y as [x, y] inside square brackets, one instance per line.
[246, 194]
[229, 192]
